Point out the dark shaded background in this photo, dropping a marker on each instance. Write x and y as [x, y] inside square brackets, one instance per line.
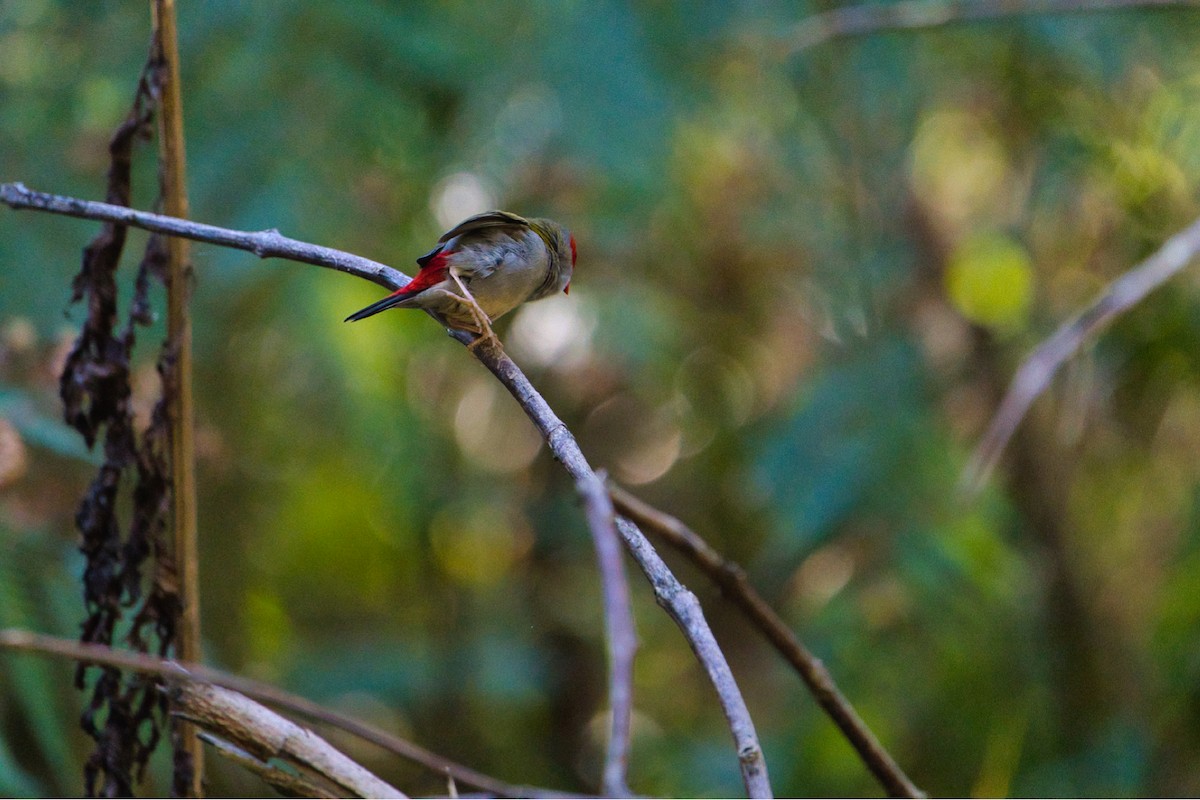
[803, 282]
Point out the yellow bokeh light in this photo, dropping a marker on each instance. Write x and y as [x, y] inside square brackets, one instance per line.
[990, 281]
[478, 546]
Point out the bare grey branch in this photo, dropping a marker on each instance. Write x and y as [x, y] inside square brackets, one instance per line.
[1036, 372]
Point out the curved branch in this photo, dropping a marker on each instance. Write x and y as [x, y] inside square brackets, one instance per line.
[684, 608]
[264, 244]
[1035, 373]
[863, 20]
[732, 580]
[673, 596]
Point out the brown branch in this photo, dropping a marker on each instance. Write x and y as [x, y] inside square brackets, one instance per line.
[25, 641]
[266, 735]
[687, 615]
[1035, 373]
[264, 244]
[177, 375]
[863, 20]
[622, 641]
[733, 582]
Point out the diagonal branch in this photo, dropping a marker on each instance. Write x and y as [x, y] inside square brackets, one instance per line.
[680, 603]
[1034, 375]
[267, 735]
[684, 608]
[286, 783]
[19, 640]
[853, 21]
[264, 244]
[732, 580]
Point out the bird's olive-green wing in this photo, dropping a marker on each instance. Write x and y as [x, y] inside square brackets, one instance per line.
[479, 222]
[488, 219]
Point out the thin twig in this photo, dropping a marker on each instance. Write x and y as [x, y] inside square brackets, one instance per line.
[863, 20]
[685, 610]
[264, 244]
[562, 444]
[286, 783]
[680, 603]
[622, 641]
[12, 639]
[177, 373]
[733, 582]
[1035, 373]
[268, 736]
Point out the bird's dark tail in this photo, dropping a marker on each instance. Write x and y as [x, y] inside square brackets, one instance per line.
[393, 299]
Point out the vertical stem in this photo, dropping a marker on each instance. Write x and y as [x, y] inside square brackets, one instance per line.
[622, 640]
[178, 375]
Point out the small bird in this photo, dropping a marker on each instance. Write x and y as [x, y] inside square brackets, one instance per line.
[484, 267]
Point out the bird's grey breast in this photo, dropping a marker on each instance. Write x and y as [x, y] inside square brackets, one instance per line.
[503, 267]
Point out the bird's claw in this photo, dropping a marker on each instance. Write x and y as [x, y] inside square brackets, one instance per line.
[488, 336]
[480, 316]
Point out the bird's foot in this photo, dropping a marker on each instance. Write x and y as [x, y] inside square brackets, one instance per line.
[478, 314]
[483, 338]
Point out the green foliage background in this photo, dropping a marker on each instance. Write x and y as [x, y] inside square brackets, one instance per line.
[804, 280]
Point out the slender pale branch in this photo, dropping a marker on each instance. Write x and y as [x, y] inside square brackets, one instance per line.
[679, 603]
[268, 736]
[1035, 373]
[622, 641]
[870, 18]
[264, 244]
[25, 641]
[688, 615]
[732, 580]
[685, 610]
[177, 372]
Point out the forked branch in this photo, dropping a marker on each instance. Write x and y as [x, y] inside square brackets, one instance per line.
[732, 580]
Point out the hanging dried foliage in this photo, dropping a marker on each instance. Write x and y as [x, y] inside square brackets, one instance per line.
[129, 569]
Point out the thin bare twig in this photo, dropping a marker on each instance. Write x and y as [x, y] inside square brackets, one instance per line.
[733, 582]
[863, 20]
[684, 608]
[1035, 373]
[286, 783]
[622, 641]
[177, 374]
[267, 735]
[264, 244]
[562, 444]
[680, 603]
[25, 641]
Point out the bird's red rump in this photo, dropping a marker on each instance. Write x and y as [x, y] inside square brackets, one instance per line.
[432, 272]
